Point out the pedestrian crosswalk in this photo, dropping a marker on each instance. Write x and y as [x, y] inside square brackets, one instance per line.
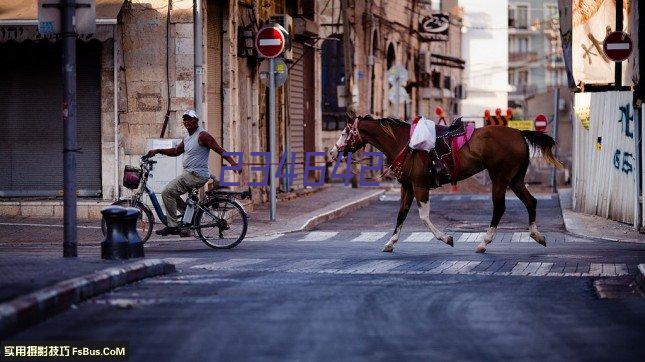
[396, 266]
[409, 237]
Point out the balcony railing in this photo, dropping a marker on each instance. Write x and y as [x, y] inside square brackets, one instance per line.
[522, 56]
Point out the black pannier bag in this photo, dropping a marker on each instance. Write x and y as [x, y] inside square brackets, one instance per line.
[131, 177]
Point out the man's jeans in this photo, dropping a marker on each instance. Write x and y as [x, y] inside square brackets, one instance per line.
[177, 187]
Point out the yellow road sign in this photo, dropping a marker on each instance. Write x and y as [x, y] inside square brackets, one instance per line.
[523, 125]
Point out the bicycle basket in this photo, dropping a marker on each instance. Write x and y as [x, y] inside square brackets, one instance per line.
[131, 177]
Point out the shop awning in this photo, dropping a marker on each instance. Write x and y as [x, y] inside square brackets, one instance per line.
[25, 12]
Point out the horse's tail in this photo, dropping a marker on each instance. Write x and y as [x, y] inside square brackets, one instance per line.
[545, 143]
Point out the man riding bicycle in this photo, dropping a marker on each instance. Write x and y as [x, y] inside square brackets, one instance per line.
[196, 146]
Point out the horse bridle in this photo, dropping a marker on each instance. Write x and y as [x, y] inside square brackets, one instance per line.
[354, 137]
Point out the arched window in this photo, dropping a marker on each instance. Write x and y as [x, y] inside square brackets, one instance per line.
[391, 56]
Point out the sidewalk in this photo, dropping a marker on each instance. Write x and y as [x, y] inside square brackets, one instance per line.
[306, 212]
[593, 226]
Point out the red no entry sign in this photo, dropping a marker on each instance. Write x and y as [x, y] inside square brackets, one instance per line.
[540, 123]
[270, 42]
[618, 46]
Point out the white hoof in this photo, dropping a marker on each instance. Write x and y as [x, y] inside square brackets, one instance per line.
[539, 238]
[480, 249]
[448, 240]
[388, 248]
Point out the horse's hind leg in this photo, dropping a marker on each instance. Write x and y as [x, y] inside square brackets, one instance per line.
[423, 201]
[406, 201]
[531, 204]
[499, 207]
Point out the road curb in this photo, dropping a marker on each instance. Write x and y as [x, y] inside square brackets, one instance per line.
[27, 310]
[340, 211]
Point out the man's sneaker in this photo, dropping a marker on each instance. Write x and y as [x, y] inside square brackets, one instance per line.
[167, 231]
[185, 233]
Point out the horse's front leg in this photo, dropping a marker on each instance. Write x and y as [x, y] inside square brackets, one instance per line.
[406, 201]
[423, 201]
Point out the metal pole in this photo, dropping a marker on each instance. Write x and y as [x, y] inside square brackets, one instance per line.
[556, 110]
[199, 60]
[272, 185]
[69, 129]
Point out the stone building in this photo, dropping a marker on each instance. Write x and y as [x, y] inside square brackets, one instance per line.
[136, 76]
[382, 34]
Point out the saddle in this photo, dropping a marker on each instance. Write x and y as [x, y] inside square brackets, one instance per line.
[443, 163]
[446, 164]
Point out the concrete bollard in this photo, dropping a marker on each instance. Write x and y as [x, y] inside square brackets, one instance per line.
[130, 230]
[115, 245]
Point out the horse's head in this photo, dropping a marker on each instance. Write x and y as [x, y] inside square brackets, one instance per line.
[350, 139]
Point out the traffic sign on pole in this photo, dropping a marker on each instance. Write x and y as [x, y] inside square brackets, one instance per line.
[540, 123]
[270, 41]
[618, 46]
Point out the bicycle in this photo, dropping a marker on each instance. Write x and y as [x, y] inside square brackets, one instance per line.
[218, 220]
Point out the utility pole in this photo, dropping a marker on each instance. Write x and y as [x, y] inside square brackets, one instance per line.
[347, 56]
[69, 129]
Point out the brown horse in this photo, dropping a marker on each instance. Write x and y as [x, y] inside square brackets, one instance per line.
[503, 151]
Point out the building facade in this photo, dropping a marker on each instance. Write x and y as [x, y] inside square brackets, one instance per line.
[136, 77]
[384, 34]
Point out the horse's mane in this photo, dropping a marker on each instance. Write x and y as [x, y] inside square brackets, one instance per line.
[386, 123]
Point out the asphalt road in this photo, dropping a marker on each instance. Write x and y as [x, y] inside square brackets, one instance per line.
[331, 294]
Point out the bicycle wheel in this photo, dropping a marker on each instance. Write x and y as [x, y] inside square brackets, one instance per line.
[146, 221]
[221, 224]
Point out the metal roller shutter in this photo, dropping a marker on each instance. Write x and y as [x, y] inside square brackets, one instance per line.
[295, 103]
[214, 96]
[30, 115]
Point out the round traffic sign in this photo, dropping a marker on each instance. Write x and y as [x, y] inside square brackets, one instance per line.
[397, 75]
[618, 46]
[281, 72]
[540, 123]
[270, 41]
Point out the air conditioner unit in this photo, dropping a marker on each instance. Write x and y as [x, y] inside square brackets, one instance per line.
[287, 22]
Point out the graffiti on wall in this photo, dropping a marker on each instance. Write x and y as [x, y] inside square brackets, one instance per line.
[624, 161]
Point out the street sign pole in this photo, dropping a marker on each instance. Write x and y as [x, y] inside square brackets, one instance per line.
[556, 110]
[272, 185]
[69, 129]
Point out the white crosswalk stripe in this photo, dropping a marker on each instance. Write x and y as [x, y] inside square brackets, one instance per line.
[370, 236]
[265, 238]
[419, 237]
[319, 235]
[521, 238]
[470, 237]
[387, 266]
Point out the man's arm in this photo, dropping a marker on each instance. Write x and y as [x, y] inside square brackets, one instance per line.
[206, 140]
[172, 152]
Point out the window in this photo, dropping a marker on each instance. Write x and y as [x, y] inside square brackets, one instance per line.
[511, 77]
[551, 11]
[436, 79]
[511, 17]
[447, 82]
[523, 44]
[522, 16]
[523, 77]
